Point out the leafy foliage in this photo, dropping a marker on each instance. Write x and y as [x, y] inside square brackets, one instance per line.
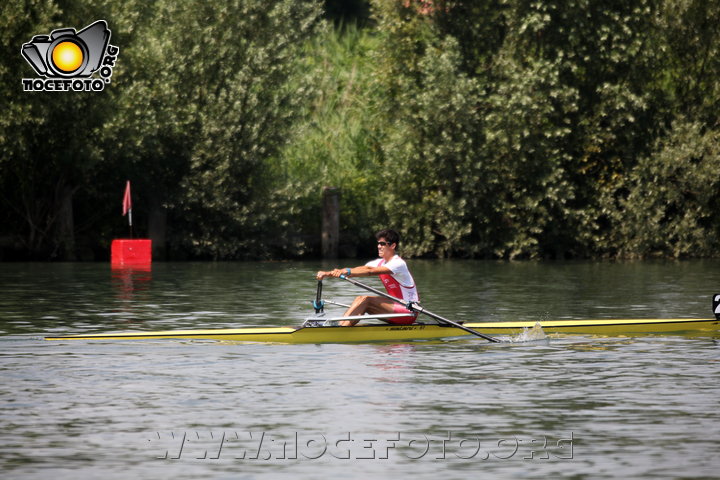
[667, 205]
[566, 99]
[244, 108]
[497, 129]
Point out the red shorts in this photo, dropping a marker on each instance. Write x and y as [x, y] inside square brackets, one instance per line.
[397, 308]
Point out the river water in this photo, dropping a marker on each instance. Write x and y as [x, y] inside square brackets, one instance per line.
[572, 406]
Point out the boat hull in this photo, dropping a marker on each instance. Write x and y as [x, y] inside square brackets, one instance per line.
[385, 333]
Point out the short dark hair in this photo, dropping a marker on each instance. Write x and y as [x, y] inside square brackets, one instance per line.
[390, 235]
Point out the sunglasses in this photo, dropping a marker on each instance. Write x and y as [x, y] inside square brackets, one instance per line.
[384, 244]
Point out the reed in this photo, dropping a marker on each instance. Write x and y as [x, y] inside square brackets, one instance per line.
[338, 142]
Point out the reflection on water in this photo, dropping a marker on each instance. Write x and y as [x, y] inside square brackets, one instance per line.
[86, 297]
[393, 357]
[630, 407]
[128, 280]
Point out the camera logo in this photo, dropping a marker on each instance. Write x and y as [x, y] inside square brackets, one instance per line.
[67, 59]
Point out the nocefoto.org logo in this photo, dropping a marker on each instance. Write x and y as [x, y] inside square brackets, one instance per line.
[67, 59]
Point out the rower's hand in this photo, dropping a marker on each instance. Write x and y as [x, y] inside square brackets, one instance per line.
[333, 273]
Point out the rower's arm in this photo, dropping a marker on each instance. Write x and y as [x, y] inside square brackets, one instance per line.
[361, 271]
[365, 271]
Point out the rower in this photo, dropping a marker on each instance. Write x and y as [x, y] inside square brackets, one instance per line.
[393, 273]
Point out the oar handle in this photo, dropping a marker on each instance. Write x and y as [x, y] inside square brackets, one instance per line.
[412, 306]
[318, 304]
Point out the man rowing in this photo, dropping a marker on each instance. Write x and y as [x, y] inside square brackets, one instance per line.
[393, 273]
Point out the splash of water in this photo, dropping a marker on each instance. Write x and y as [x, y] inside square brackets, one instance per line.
[533, 334]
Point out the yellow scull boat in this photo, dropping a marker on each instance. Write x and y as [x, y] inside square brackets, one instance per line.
[417, 331]
[319, 329]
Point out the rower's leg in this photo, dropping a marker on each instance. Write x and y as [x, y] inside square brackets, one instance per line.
[367, 304]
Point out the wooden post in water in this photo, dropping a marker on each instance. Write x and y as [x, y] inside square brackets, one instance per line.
[331, 222]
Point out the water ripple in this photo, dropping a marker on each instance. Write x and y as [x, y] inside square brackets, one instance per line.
[630, 407]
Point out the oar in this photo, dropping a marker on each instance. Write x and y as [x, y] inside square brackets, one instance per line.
[319, 304]
[412, 306]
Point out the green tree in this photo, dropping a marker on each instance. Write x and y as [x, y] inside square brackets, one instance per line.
[505, 128]
[243, 107]
[429, 129]
[560, 100]
[525, 192]
[667, 205]
[689, 41]
[603, 62]
[49, 141]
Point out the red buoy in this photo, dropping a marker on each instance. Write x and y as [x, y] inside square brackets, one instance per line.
[126, 252]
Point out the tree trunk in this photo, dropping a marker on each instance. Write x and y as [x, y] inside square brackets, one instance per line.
[331, 222]
[65, 224]
[157, 227]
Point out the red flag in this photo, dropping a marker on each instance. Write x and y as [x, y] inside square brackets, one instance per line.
[127, 200]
